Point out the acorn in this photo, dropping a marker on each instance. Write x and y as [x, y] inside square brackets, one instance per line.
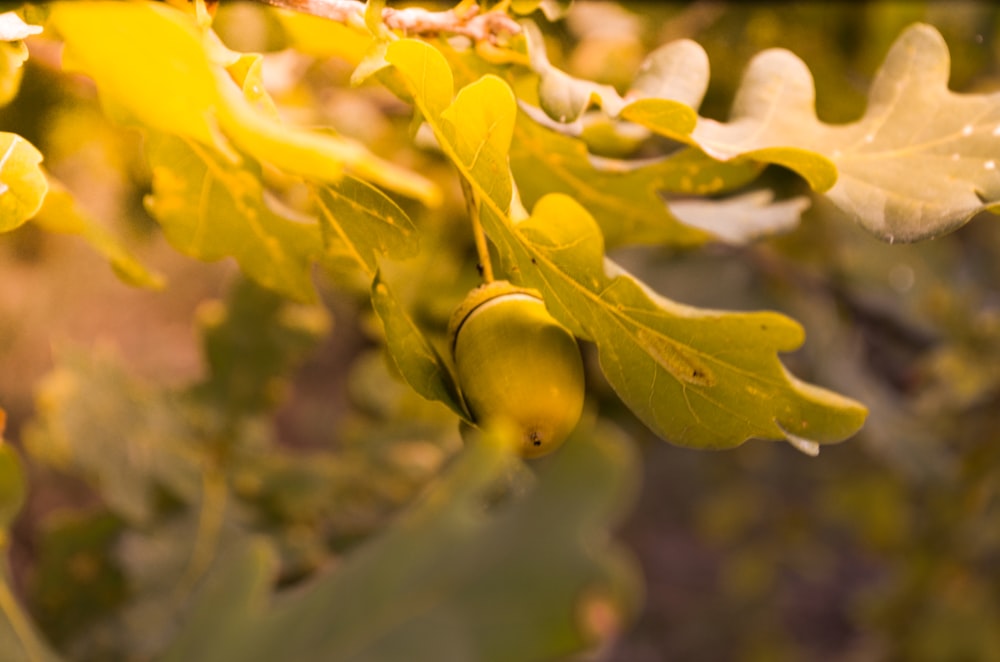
[516, 363]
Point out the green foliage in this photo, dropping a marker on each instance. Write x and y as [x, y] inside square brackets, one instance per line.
[212, 210]
[730, 392]
[313, 488]
[438, 585]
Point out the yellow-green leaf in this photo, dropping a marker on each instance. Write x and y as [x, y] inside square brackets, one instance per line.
[707, 379]
[148, 61]
[155, 66]
[417, 360]
[210, 209]
[368, 222]
[920, 162]
[22, 183]
[625, 198]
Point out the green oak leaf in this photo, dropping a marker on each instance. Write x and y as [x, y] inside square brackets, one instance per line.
[367, 221]
[703, 378]
[454, 578]
[60, 213]
[626, 198]
[700, 378]
[154, 65]
[415, 357]
[210, 209]
[654, 98]
[22, 183]
[920, 162]
[368, 226]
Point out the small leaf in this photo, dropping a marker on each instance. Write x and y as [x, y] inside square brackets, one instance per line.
[210, 209]
[671, 83]
[60, 213]
[22, 183]
[417, 360]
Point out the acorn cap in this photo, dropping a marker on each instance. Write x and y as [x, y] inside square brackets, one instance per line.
[480, 296]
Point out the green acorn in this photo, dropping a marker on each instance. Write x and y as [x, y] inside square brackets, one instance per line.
[515, 362]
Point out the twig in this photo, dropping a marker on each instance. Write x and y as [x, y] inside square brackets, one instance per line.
[469, 22]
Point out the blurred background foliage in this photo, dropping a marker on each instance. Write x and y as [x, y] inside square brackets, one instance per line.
[884, 547]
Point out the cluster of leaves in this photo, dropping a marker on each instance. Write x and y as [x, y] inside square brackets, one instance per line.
[211, 126]
[196, 492]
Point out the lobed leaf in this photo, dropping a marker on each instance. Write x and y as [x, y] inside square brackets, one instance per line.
[626, 198]
[370, 226]
[700, 378]
[210, 209]
[920, 162]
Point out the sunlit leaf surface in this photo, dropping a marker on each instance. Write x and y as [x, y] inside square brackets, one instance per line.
[700, 378]
[22, 184]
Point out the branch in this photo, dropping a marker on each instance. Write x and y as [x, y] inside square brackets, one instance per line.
[469, 22]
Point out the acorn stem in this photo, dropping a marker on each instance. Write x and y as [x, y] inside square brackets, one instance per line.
[482, 249]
